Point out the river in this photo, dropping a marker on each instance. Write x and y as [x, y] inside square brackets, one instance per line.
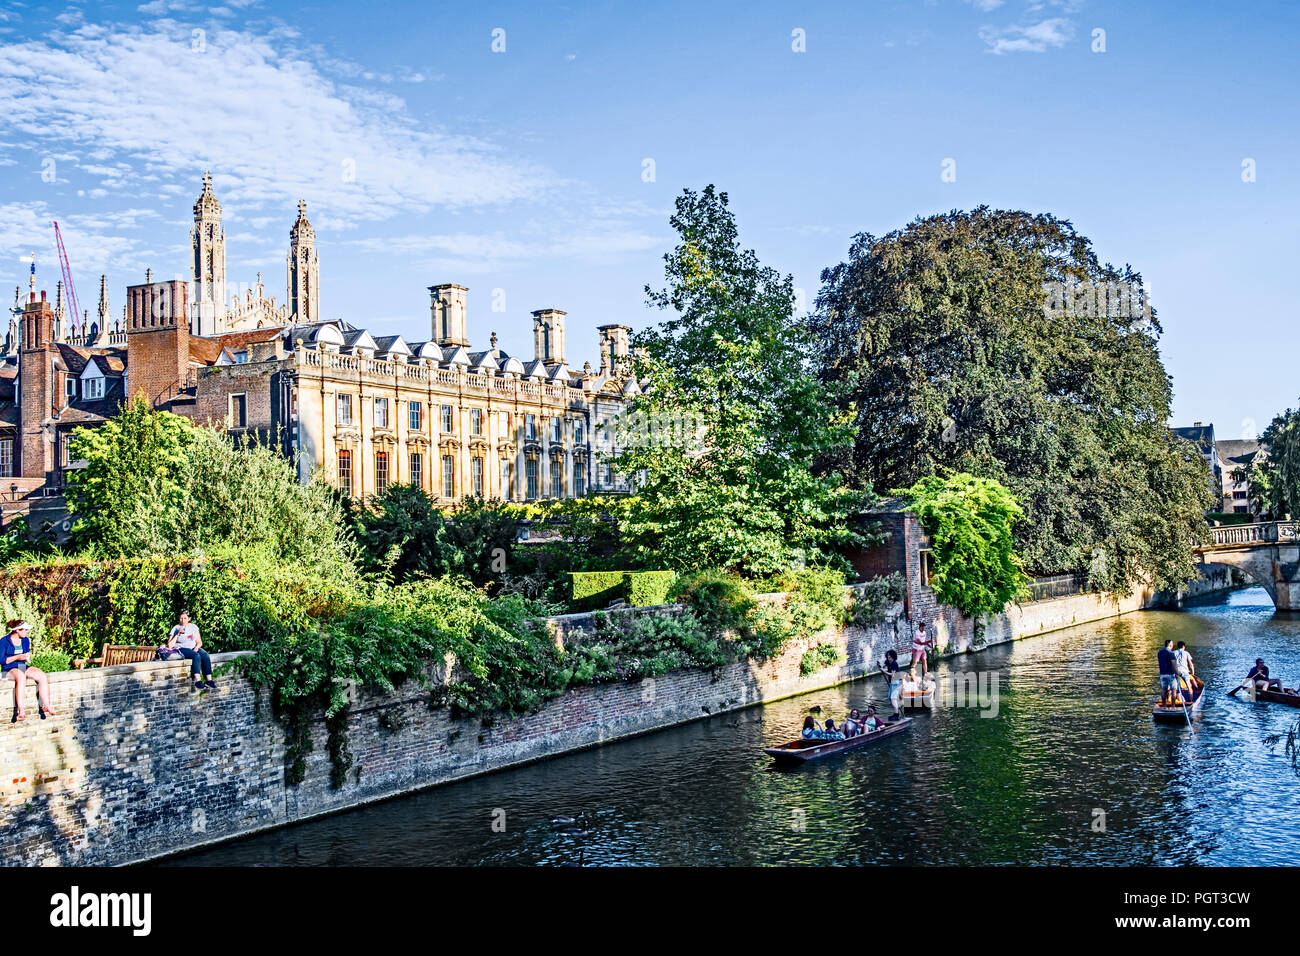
[1070, 770]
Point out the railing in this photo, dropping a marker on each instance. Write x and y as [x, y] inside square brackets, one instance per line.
[412, 372]
[1239, 535]
[1057, 586]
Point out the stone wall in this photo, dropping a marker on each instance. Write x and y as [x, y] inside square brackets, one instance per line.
[137, 765]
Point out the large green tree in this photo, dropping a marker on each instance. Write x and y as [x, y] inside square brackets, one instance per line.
[939, 335]
[155, 484]
[732, 419]
[1274, 473]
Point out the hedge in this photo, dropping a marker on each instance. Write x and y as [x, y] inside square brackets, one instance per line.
[596, 589]
[648, 588]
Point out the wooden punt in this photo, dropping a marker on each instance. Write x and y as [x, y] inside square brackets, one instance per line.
[917, 699]
[801, 751]
[1278, 697]
[1177, 714]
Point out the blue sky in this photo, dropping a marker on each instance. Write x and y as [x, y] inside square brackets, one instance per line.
[521, 174]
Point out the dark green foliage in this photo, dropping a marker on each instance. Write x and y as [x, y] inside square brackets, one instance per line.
[970, 520]
[873, 599]
[403, 536]
[938, 337]
[1274, 473]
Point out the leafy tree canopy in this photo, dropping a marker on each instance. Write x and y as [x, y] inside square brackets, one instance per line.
[156, 484]
[733, 420]
[939, 337]
[1274, 473]
[970, 521]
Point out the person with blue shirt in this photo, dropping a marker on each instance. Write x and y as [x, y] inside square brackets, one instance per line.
[1168, 675]
[15, 658]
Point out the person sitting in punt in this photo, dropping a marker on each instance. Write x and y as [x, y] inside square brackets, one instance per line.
[871, 722]
[810, 729]
[1259, 675]
[832, 732]
[852, 724]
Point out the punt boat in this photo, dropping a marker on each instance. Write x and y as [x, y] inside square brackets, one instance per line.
[801, 751]
[1178, 713]
[1278, 697]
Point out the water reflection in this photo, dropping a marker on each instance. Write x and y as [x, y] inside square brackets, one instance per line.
[1073, 737]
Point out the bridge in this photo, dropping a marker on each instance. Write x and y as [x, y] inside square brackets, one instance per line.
[1268, 553]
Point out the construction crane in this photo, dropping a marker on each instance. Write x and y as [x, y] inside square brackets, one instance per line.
[67, 275]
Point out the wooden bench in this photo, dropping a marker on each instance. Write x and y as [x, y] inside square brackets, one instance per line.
[120, 654]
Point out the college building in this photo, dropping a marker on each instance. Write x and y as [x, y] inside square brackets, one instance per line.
[365, 410]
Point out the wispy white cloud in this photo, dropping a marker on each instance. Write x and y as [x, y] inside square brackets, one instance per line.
[1035, 38]
[264, 117]
[985, 5]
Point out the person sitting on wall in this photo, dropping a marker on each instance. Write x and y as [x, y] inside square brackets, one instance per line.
[15, 658]
[185, 638]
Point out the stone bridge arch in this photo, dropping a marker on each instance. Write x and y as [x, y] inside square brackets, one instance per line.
[1268, 554]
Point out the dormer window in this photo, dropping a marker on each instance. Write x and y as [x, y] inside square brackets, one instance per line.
[71, 387]
[240, 357]
[94, 388]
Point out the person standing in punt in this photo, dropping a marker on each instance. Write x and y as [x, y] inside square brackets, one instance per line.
[1168, 674]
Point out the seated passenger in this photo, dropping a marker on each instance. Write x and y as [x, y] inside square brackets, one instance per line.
[852, 724]
[810, 729]
[871, 722]
[1259, 676]
[832, 732]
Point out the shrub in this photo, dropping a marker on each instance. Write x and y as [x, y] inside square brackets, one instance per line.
[872, 599]
[649, 588]
[970, 520]
[816, 658]
[593, 589]
[720, 602]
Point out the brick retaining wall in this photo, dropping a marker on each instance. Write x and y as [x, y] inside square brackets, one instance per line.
[137, 765]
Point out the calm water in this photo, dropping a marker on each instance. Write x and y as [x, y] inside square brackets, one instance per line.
[1073, 734]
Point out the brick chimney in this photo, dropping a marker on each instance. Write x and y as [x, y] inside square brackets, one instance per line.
[36, 388]
[157, 340]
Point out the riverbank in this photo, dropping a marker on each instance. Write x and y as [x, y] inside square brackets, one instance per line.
[1027, 788]
[138, 766]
